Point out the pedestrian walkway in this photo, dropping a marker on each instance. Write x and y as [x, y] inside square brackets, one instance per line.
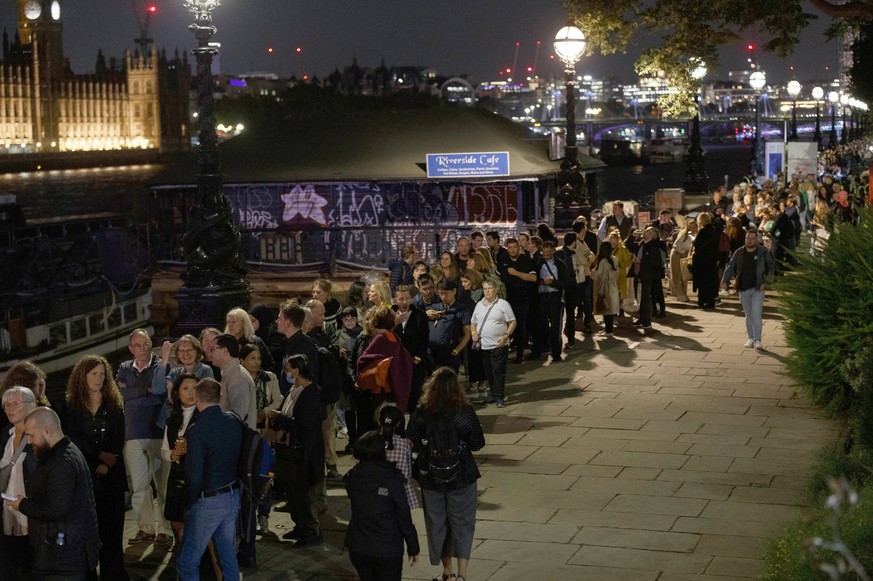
[667, 456]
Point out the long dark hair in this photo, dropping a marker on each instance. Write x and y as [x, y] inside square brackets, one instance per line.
[177, 403]
[301, 364]
[605, 253]
[391, 421]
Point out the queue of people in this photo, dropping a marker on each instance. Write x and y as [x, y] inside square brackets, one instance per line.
[381, 370]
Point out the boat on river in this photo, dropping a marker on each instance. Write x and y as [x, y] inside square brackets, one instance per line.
[68, 286]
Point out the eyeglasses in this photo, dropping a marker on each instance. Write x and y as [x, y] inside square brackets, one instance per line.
[12, 404]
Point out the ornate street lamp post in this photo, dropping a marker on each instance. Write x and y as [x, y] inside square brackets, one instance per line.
[817, 94]
[696, 181]
[757, 80]
[214, 281]
[570, 46]
[793, 89]
[833, 97]
[844, 101]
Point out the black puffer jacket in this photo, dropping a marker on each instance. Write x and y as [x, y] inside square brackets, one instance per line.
[60, 500]
[381, 519]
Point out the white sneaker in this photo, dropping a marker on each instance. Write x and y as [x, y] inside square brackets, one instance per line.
[749, 344]
[759, 346]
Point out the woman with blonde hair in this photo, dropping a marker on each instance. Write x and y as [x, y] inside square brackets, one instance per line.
[625, 260]
[94, 420]
[379, 293]
[17, 464]
[449, 494]
[240, 326]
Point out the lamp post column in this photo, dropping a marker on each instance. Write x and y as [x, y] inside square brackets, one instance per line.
[696, 180]
[757, 81]
[832, 136]
[214, 280]
[844, 139]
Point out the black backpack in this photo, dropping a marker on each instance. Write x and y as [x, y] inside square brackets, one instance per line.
[330, 376]
[255, 462]
[443, 461]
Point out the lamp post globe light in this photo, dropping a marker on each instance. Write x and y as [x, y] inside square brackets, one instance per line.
[696, 181]
[570, 46]
[833, 97]
[757, 80]
[817, 94]
[214, 281]
[844, 101]
[793, 89]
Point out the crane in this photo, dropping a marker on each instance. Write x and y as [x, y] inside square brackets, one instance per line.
[144, 41]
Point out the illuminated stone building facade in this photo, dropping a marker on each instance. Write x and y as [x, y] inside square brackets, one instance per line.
[140, 102]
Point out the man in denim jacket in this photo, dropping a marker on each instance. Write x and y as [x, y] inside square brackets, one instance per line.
[752, 264]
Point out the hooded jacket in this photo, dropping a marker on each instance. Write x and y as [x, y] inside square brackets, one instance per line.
[381, 520]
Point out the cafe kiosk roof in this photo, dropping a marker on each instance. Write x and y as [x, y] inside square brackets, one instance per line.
[376, 146]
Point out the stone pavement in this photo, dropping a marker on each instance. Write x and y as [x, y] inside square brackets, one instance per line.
[668, 456]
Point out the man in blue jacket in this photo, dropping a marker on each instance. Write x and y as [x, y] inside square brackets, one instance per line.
[213, 489]
[751, 264]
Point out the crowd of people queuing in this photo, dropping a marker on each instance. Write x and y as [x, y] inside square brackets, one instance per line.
[320, 370]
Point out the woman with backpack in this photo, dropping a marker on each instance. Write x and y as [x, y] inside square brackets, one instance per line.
[445, 431]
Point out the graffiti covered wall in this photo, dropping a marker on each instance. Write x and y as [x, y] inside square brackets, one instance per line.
[366, 223]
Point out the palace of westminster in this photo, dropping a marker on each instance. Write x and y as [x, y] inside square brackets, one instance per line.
[140, 102]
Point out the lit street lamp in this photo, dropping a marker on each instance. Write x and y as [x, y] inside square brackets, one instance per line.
[213, 279]
[757, 80]
[833, 97]
[570, 46]
[817, 94]
[793, 89]
[696, 181]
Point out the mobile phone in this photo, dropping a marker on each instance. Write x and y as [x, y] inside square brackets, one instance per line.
[9, 497]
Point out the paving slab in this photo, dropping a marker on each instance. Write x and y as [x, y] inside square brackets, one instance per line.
[665, 456]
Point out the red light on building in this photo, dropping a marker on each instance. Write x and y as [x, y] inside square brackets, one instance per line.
[152, 8]
[298, 49]
[750, 46]
[270, 50]
[508, 70]
[517, 44]
[791, 68]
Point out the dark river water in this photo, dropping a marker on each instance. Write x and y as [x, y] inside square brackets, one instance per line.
[55, 194]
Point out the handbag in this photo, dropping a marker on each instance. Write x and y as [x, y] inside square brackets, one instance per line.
[685, 265]
[600, 305]
[375, 377]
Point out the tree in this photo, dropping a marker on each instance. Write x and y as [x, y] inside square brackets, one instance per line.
[695, 29]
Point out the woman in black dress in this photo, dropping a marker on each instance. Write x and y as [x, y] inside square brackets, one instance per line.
[173, 450]
[93, 418]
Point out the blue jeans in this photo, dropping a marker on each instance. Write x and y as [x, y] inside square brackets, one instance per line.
[210, 518]
[753, 306]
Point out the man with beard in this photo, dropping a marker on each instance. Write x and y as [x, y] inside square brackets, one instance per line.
[60, 503]
[518, 273]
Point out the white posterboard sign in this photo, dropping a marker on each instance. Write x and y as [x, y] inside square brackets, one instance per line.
[801, 157]
[669, 199]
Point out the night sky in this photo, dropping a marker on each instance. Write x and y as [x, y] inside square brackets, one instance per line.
[475, 37]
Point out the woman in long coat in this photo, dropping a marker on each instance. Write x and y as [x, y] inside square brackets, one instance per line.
[705, 262]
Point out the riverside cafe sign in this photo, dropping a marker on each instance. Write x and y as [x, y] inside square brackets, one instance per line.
[468, 165]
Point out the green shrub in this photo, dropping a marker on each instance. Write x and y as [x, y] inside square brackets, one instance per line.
[828, 305]
[788, 556]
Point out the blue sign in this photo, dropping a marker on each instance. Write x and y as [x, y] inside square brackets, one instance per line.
[468, 165]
